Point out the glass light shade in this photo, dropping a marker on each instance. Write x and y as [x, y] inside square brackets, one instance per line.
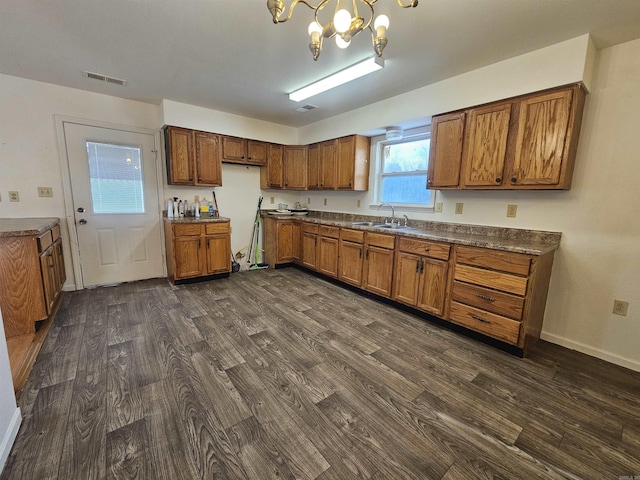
[381, 21]
[314, 27]
[340, 42]
[342, 20]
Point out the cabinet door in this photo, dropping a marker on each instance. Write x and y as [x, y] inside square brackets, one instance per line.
[187, 257]
[275, 159]
[541, 139]
[58, 266]
[286, 242]
[47, 267]
[328, 256]
[234, 149]
[445, 156]
[486, 145]
[378, 270]
[313, 171]
[328, 152]
[208, 159]
[309, 250]
[433, 283]
[406, 278]
[350, 263]
[257, 152]
[295, 167]
[179, 150]
[218, 254]
[346, 163]
[296, 240]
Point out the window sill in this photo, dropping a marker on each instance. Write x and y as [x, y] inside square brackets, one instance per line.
[408, 206]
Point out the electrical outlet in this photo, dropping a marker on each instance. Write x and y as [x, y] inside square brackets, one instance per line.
[358, 203]
[620, 307]
[14, 197]
[459, 208]
[272, 200]
[325, 202]
[45, 192]
[512, 210]
[439, 207]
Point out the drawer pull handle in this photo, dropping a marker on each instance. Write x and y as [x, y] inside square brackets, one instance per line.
[480, 319]
[484, 297]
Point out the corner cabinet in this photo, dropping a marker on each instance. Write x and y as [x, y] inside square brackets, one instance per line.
[197, 249]
[32, 272]
[527, 142]
[281, 241]
[193, 157]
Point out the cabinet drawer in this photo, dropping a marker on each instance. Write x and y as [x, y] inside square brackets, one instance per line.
[186, 229]
[310, 228]
[355, 236]
[481, 321]
[332, 232]
[494, 259]
[218, 227]
[55, 232]
[44, 241]
[489, 278]
[489, 300]
[422, 247]
[381, 240]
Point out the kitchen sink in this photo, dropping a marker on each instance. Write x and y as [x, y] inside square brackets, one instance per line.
[363, 224]
[378, 225]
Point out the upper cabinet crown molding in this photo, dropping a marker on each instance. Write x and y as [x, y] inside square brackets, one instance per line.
[527, 142]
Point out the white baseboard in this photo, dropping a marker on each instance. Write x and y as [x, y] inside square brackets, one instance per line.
[592, 351]
[9, 437]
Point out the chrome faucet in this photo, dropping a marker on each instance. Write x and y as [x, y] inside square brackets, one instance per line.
[393, 212]
[406, 221]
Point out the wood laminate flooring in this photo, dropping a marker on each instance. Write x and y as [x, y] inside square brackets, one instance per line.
[279, 374]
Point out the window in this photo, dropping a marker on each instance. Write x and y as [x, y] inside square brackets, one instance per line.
[115, 172]
[402, 171]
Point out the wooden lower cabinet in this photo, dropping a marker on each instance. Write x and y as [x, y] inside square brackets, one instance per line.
[328, 246]
[351, 257]
[310, 246]
[281, 241]
[197, 249]
[378, 264]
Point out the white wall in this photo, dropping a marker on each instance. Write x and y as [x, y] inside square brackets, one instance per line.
[9, 412]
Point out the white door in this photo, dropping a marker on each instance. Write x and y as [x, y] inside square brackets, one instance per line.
[115, 202]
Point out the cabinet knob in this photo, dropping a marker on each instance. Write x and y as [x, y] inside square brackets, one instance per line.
[498, 180]
[514, 179]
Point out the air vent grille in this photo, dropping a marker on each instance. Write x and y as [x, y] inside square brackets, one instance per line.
[306, 108]
[105, 78]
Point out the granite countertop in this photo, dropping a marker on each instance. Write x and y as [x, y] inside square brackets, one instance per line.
[205, 219]
[532, 242]
[18, 227]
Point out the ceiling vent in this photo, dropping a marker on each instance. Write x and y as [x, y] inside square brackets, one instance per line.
[394, 133]
[306, 108]
[104, 78]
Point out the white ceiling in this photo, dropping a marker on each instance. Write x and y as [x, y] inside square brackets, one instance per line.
[229, 56]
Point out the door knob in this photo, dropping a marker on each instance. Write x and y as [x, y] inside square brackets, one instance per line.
[80, 210]
[82, 221]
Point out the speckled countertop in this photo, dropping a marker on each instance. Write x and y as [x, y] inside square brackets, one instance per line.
[18, 227]
[206, 219]
[532, 242]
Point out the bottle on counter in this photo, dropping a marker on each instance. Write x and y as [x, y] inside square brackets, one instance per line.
[180, 209]
[196, 209]
[176, 212]
[211, 210]
[170, 208]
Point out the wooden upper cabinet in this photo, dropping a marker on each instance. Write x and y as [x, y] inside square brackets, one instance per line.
[544, 153]
[445, 155]
[313, 166]
[295, 167]
[486, 145]
[208, 159]
[179, 150]
[234, 150]
[272, 176]
[352, 171]
[328, 152]
[257, 152]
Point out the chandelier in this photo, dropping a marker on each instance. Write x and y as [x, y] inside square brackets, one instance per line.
[344, 25]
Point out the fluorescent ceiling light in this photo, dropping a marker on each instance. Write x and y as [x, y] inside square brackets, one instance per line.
[343, 76]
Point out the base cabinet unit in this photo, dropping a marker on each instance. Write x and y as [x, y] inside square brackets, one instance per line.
[420, 276]
[310, 246]
[377, 271]
[197, 249]
[328, 243]
[281, 241]
[351, 256]
[500, 294]
[193, 157]
[527, 142]
[32, 272]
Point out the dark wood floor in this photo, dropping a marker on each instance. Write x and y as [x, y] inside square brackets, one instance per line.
[278, 374]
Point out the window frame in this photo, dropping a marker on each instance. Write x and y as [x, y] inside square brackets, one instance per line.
[420, 133]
